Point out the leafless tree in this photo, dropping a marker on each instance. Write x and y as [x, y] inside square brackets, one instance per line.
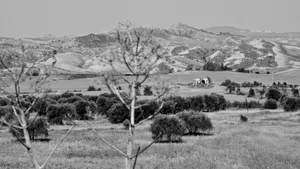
[140, 54]
[15, 69]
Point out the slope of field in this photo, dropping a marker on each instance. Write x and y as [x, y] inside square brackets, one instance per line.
[269, 140]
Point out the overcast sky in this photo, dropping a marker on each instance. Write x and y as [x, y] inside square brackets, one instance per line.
[32, 18]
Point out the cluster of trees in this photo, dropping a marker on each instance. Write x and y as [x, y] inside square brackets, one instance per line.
[249, 84]
[116, 112]
[170, 128]
[211, 66]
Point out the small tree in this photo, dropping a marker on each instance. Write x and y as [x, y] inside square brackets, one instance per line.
[195, 121]
[167, 125]
[140, 54]
[273, 93]
[270, 104]
[230, 88]
[148, 91]
[295, 92]
[251, 93]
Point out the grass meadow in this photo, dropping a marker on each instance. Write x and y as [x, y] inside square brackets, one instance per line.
[270, 139]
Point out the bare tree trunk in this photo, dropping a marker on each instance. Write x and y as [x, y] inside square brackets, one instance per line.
[28, 142]
[131, 127]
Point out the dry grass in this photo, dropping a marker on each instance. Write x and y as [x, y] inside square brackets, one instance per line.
[263, 142]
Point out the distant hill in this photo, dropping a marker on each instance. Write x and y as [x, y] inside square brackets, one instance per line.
[186, 45]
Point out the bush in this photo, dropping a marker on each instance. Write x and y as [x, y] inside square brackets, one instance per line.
[145, 111]
[229, 82]
[6, 113]
[148, 91]
[222, 102]
[230, 88]
[197, 103]
[251, 93]
[91, 98]
[118, 113]
[57, 113]
[270, 104]
[195, 121]
[82, 109]
[168, 126]
[67, 94]
[37, 127]
[290, 104]
[168, 108]
[104, 104]
[273, 93]
[243, 118]
[91, 88]
[295, 92]
[4, 101]
[180, 103]
[211, 102]
[243, 70]
[71, 99]
[41, 105]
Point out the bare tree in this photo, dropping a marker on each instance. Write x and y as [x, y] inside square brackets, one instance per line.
[15, 68]
[140, 55]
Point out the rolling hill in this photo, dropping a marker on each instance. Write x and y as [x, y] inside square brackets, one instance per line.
[238, 48]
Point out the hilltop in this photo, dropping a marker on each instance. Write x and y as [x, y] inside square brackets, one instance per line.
[237, 48]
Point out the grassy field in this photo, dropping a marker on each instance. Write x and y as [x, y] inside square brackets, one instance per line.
[61, 83]
[267, 140]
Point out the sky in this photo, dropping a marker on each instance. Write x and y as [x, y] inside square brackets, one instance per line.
[34, 18]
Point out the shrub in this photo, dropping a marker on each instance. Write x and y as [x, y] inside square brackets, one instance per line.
[295, 92]
[197, 103]
[82, 109]
[147, 110]
[211, 102]
[148, 91]
[251, 93]
[290, 104]
[168, 108]
[229, 82]
[55, 97]
[230, 88]
[90, 98]
[41, 105]
[273, 93]
[270, 104]
[167, 125]
[57, 113]
[6, 113]
[222, 102]
[37, 127]
[104, 104]
[243, 118]
[195, 121]
[180, 103]
[118, 113]
[67, 94]
[71, 99]
[4, 101]
[91, 88]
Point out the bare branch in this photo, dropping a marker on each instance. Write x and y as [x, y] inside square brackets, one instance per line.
[150, 117]
[58, 144]
[117, 93]
[106, 142]
[145, 148]
[135, 160]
